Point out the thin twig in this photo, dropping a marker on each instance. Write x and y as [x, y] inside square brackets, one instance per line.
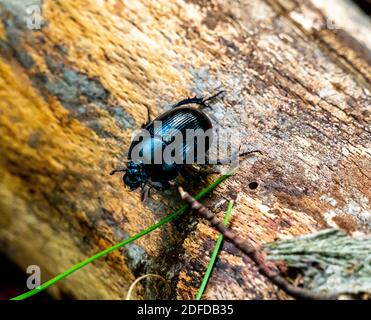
[255, 254]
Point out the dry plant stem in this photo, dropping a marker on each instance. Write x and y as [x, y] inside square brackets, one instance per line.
[133, 285]
[255, 254]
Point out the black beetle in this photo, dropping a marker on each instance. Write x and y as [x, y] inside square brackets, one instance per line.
[180, 117]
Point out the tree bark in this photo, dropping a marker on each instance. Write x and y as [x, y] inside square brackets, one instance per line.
[297, 77]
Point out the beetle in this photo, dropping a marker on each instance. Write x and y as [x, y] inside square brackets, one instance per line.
[182, 116]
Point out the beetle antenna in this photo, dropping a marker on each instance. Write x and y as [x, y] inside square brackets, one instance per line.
[214, 96]
[116, 171]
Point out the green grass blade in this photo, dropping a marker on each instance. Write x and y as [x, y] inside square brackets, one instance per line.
[214, 255]
[80, 265]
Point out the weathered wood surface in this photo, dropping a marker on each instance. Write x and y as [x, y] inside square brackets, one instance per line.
[297, 76]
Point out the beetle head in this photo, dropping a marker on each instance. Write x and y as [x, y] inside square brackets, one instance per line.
[135, 175]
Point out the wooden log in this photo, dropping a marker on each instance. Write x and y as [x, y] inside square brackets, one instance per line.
[297, 77]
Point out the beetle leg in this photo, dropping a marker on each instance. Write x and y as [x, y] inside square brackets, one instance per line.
[203, 169]
[247, 153]
[212, 97]
[194, 100]
[161, 186]
[145, 192]
[116, 171]
[200, 101]
[206, 170]
[204, 100]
